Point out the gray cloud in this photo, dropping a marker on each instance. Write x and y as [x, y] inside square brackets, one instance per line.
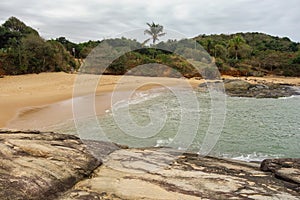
[95, 19]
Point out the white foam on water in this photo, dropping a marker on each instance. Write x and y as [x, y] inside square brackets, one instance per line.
[139, 97]
[254, 157]
[290, 97]
[163, 142]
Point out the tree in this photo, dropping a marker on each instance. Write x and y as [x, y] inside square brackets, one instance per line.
[209, 45]
[296, 59]
[155, 31]
[13, 24]
[236, 44]
[23, 51]
[70, 46]
[5, 35]
[35, 54]
[61, 59]
[220, 51]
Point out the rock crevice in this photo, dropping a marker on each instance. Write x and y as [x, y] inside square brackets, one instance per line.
[37, 165]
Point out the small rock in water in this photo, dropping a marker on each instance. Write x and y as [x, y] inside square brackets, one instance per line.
[241, 88]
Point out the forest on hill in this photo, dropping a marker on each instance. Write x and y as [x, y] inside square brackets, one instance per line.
[253, 54]
[23, 50]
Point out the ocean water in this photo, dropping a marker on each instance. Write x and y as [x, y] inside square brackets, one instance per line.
[252, 129]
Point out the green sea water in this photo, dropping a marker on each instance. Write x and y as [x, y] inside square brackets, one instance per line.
[253, 129]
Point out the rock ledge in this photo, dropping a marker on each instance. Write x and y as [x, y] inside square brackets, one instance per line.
[36, 165]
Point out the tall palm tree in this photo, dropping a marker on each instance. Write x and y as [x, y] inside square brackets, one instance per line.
[236, 43]
[155, 31]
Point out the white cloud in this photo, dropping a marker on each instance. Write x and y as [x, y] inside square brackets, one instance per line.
[94, 19]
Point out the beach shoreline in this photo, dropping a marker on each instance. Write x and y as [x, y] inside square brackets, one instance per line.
[52, 93]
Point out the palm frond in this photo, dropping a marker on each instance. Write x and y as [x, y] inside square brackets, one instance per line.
[161, 34]
[146, 41]
[148, 32]
[155, 31]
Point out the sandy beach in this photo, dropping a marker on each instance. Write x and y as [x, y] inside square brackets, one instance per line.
[269, 79]
[51, 94]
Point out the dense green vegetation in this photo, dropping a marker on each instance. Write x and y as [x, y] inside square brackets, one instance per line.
[253, 54]
[161, 63]
[79, 51]
[23, 51]
[170, 59]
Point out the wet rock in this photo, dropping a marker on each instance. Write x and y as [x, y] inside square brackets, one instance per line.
[236, 84]
[168, 174]
[100, 149]
[241, 88]
[287, 169]
[36, 165]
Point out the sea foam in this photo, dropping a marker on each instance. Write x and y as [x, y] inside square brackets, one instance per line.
[137, 98]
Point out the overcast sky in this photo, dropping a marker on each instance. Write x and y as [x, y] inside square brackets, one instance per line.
[80, 20]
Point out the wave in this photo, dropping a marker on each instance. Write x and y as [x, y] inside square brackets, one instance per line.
[139, 97]
[29, 110]
[290, 97]
[163, 142]
[252, 157]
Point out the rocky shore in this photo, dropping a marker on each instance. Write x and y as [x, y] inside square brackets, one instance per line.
[36, 165]
[259, 89]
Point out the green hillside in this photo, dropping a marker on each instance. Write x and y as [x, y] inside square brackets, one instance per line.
[23, 51]
[253, 54]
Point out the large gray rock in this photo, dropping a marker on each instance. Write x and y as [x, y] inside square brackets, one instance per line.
[241, 88]
[287, 169]
[37, 165]
[236, 84]
[165, 174]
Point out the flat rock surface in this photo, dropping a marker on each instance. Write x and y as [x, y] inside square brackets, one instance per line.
[37, 165]
[287, 169]
[166, 174]
[242, 88]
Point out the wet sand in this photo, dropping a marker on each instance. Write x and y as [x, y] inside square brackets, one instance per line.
[34, 101]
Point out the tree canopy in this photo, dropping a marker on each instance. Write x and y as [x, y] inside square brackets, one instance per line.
[252, 54]
[155, 31]
[22, 51]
